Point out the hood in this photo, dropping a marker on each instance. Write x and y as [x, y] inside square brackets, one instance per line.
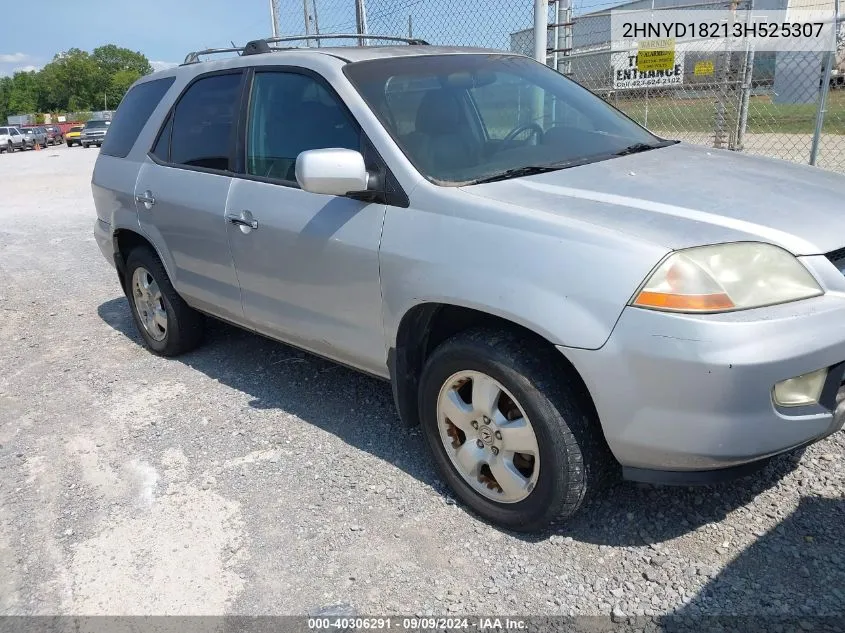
[683, 195]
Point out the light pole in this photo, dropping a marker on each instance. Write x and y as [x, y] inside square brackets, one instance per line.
[274, 19]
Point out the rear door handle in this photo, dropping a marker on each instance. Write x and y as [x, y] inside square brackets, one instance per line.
[147, 198]
[244, 219]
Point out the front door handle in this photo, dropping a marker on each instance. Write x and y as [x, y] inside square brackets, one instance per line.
[147, 198]
[243, 219]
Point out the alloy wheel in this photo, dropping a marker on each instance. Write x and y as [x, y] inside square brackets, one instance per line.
[488, 437]
[149, 303]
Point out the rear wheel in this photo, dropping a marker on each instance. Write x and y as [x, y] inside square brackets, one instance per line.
[168, 325]
[513, 436]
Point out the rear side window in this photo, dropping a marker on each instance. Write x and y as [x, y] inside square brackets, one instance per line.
[132, 115]
[204, 121]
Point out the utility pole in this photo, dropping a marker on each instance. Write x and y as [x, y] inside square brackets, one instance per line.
[410, 27]
[720, 138]
[541, 45]
[305, 13]
[316, 22]
[360, 20]
[274, 19]
[541, 29]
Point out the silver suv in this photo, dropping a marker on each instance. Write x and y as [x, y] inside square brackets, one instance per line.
[11, 139]
[558, 296]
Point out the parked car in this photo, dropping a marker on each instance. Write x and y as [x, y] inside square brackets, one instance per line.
[94, 132]
[558, 296]
[72, 135]
[37, 136]
[11, 139]
[54, 135]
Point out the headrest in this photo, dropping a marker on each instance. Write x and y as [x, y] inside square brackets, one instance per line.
[439, 113]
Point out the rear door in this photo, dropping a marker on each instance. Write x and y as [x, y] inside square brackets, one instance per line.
[182, 189]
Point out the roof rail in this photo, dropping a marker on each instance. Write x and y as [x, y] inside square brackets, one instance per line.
[194, 56]
[412, 41]
[256, 47]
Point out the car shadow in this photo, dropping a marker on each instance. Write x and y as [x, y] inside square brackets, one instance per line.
[359, 410]
[791, 578]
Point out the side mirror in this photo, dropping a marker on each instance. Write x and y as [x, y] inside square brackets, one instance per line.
[332, 171]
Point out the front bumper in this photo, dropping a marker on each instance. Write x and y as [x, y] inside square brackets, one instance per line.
[684, 393]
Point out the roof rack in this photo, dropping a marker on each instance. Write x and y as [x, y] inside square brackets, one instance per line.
[194, 56]
[256, 47]
[412, 41]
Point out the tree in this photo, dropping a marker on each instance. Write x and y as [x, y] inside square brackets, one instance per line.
[111, 59]
[23, 96]
[120, 83]
[70, 74]
[5, 91]
[74, 81]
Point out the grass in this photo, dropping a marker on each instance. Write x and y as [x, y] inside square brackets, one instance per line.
[697, 115]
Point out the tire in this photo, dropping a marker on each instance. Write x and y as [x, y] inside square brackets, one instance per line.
[184, 326]
[10, 147]
[85, 145]
[574, 460]
[69, 144]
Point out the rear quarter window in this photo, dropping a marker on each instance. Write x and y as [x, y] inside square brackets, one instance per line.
[132, 115]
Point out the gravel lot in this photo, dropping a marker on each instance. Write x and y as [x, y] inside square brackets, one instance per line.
[250, 478]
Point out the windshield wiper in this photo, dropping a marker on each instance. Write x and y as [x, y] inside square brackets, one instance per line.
[528, 170]
[636, 148]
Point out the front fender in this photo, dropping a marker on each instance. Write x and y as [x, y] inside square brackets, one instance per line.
[568, 281]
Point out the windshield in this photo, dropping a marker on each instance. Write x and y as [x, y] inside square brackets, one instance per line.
[96, 125]
[76, 129]
[465, 118]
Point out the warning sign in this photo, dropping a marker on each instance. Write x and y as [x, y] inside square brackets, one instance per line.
[703, 68]
[656, 54]
[627, 73]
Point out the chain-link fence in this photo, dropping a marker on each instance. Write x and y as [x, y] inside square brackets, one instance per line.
[487, 24]
[785, 104]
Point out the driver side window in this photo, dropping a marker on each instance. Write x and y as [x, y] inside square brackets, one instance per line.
[289, 114]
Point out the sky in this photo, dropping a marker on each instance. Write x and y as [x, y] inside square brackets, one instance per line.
[166, 30]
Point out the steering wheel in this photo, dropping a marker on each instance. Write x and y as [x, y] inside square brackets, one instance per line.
[519, 129]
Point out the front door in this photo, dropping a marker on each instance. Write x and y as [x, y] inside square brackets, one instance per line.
[307, 263]
[181, 195]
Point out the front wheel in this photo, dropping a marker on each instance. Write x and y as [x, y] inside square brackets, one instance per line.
[10, 147]
[168, 325]
[513, 435]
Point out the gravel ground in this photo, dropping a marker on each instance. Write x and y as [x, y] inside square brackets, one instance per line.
[250, 478]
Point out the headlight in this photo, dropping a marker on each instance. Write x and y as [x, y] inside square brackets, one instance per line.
[726, 277]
